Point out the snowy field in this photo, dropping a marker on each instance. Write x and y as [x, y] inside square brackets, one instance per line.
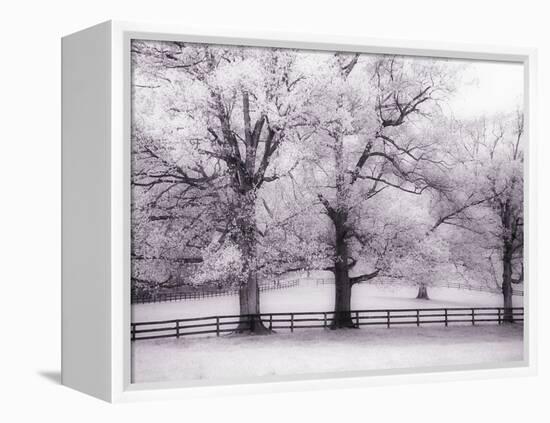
[320, 351]
[308, 296]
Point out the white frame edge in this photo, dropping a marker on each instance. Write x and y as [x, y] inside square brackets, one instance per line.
[121, 389]
[85, 265]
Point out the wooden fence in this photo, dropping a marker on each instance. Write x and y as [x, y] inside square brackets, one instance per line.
[305, 320]
[177, 296]
[438, 285]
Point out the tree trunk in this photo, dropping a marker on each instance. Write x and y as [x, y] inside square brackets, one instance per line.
[422, 292]
[249, 293]
[507, 252]
[507, 284]
[249, 308]
[342, 285]
[339, 217]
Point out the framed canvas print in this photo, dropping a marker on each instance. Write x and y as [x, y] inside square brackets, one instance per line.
[240, 212]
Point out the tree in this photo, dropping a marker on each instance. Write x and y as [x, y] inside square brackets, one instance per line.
[485, 205]
[496, 143]
[372, 106]
[221, 114]
[172, 215]
[506, 185]
[396, 235]
[254, 162]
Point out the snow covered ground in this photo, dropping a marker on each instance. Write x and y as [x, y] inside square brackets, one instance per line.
[309, 296]
[320, 351]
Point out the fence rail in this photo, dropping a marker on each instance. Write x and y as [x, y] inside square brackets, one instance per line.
[305, 320]
[439, 285]
[177, 296]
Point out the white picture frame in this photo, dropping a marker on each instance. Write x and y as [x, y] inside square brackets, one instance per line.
[96, 226]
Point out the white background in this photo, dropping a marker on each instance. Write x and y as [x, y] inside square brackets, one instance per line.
[30, 207]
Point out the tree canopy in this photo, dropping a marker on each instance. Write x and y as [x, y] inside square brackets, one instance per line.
[252, 162]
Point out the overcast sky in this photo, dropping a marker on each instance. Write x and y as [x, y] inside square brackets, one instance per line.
[489, 87]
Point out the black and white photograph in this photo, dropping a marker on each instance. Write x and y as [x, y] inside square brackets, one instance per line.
[300, 213]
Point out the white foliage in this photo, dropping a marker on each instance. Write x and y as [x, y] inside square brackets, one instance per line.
[313, 108]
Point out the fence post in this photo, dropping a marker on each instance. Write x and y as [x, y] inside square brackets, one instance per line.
[292, 322]
[473, 317]
[357, 318]
[498, 315]
[417, 318]
[217, 326]
[325, 320]
[388, 318]
[446, 320]
[270, 321]
[133, 332]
